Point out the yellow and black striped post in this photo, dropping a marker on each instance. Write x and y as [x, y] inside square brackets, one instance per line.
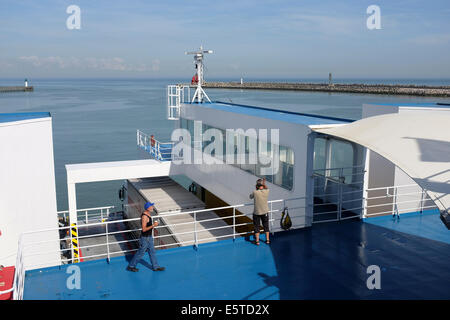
[75, 246]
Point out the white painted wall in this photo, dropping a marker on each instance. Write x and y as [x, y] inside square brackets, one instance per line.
[27, 189]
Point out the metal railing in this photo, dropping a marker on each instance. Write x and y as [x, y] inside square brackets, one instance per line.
[19, 275]
[161, 151]
[339, 187]
[396, 200]
[88, 215]
[382, 201]
[357, 202]
[176, 95]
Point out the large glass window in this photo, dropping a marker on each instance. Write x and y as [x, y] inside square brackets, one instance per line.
[342, 157]
[320, 161]
[336, 157]
[285, 174]
[264, 156]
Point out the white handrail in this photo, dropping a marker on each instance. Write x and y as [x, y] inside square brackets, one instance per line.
[89, 213]
[154, 146]
[90, 209]
[390, 187]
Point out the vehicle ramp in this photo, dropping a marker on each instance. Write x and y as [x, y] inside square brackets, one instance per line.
[170, 200]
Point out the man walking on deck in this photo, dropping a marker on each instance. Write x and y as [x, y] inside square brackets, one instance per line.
[261, 209]
[146, 241]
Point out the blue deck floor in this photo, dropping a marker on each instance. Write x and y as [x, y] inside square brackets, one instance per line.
[427, 224]
[327, 261]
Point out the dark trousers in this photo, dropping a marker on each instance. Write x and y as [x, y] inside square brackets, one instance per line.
[258, 219]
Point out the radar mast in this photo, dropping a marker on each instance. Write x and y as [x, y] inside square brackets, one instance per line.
[200, 94]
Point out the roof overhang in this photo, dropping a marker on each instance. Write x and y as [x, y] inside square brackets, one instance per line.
[418, 143]
[117, 170]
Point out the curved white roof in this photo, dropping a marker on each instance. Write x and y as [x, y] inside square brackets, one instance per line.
[418, 143]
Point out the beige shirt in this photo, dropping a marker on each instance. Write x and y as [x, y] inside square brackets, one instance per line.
[261, 197]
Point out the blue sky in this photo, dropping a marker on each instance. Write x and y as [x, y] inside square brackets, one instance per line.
[259, 39]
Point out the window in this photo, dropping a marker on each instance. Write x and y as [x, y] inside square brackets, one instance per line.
[342, 157]
[285, 174]
[320, 159]
[284, 177]
[336, 156]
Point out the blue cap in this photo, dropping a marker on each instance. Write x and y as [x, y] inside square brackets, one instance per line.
[148, 205]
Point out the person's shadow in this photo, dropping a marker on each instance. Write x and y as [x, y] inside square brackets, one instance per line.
[269, 281]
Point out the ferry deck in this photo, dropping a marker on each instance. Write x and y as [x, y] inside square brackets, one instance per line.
[369, 193]
[328, 261]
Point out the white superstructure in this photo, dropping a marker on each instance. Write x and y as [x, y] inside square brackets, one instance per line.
[27, 188]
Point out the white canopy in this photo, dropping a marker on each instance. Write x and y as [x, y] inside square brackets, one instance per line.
[416, 142]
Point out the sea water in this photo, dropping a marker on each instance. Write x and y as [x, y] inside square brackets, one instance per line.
[95, 120]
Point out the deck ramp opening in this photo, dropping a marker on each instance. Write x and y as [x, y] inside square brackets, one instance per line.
[171, 198]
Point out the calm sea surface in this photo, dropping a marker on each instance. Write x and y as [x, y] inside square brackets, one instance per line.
[96, 120]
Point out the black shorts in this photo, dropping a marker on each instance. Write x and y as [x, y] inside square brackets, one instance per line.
[257, 219]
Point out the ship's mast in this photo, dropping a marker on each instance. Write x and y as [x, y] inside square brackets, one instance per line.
[200, 94]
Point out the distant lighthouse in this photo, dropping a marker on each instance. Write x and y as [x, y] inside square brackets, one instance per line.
[26, 83]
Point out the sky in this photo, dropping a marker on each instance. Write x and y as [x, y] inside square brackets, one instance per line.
[250, 39]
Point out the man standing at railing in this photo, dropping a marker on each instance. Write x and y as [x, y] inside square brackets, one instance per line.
[146, 243]
[152, 140]
[261, 209]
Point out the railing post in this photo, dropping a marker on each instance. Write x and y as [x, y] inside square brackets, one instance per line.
[340, 193]
[72, 251]
[395, 210]
[86, 215]
[107, 242]
[159, 151]
[195, 230]
[168, 101]
[421, 200]
[271, 217]
[365, 204]
[234, 223]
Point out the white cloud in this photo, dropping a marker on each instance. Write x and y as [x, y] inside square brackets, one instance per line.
[90, 63]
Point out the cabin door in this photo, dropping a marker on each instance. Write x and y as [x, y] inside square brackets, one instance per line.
[338, 181]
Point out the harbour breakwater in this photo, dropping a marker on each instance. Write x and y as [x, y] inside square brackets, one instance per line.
[15, 89]
[397, 89]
